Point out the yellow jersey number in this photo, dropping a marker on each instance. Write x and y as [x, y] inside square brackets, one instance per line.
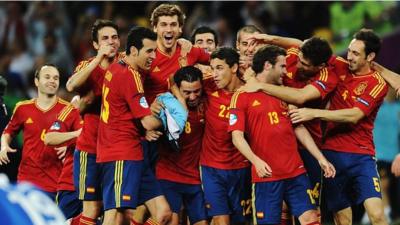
[224, 111]
[105, 109]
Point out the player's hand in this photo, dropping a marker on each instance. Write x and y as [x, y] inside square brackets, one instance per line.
[301, 115]
[78, 132]
[245, 61]
[328, 168]
[249, 75]
[186, 46]
[4, 160]
[396, 166]
[61, 151]
[156, 107]
[104, 51]
[153, 135]
[262, 168]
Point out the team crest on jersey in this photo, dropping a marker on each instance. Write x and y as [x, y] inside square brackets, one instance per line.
[284, 105]
[143, 102]
[359, 90]
[232, 119]
[183, 61]
[56, 126]
[108, 76]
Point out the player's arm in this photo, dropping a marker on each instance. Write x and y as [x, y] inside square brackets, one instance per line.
[350, 115]
[307, 141]
[284, 42]
[79, 77]
[396, 166]
[5, 148]
[391, 77]
[262, 168]
[57, 138]
[150, 122]
[297, 96]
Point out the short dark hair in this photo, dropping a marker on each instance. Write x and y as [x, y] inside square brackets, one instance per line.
[167, 10]
[136, 36]
[268, 53]
[316, 50]
[98, 25]
[189, 74]
[371, 40]
[37, 71]
[228, 54]
[204, 30]
[248, 29]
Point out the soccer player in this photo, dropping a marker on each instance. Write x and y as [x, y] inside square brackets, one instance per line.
[278, 172]
[178, 172]
[167, 21]
[34, 117]
[206, 38]
[349, 143]
[225, 172]
[243, 42]
[311, 77]
[63, 133]
[126, 180]
[87, 80]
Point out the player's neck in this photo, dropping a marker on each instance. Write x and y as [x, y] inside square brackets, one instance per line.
[130, 60]
[45, 101]
[235, 84]
[105, 62]
[363, 71]
[164, 50]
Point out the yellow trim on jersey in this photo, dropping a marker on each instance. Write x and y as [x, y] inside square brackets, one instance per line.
[118, 175]
[341, 59]
[62, 101]
[82, 174]
[294, 51]
[253, 202]
[138, 80]
[65, 112]
[379, 87]
[24, 102]
[323, 75]
[234, 99]
[81, 65]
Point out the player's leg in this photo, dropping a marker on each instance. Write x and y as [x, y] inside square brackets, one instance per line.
[267, 198]
[193, 200]
[87, 184]
[239, 194]
[300, 201]
[171, 191]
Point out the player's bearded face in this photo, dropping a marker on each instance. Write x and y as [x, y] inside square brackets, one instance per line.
[356, 55]
[278, 71]
[222, 73]
[48, 80]
[191, 91]
[304, 68]
[147, 54]
[109, 36]
[168, 31]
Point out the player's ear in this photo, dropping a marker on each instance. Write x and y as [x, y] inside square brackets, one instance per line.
[371, 56]
[235, 68]
[267, 65]
[95, 45]
[134, 51]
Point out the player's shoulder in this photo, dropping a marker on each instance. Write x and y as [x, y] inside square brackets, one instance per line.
[24, 104]
[66, 111]
[237, 98]
[293, 50]
[62, 101]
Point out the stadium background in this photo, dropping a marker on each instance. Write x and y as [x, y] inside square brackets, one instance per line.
[34, 33]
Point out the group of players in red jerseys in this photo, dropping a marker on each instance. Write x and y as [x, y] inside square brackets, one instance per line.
[269, 125]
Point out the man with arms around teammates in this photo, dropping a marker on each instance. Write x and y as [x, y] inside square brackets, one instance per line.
[126, 180]
[349, 143]
[278, 172]
[87, 80]
[225, 172]
[34, 117]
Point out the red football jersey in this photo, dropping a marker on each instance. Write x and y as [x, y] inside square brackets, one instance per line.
[366, 93]
[68, 120]
[164, 66]
[123, 105]
[325, 81]
[37, 166]
[183, 166]
[87, 141]
[268, 129]
[218, 150]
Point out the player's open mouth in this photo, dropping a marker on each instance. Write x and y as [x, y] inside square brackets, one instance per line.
[168, 38]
